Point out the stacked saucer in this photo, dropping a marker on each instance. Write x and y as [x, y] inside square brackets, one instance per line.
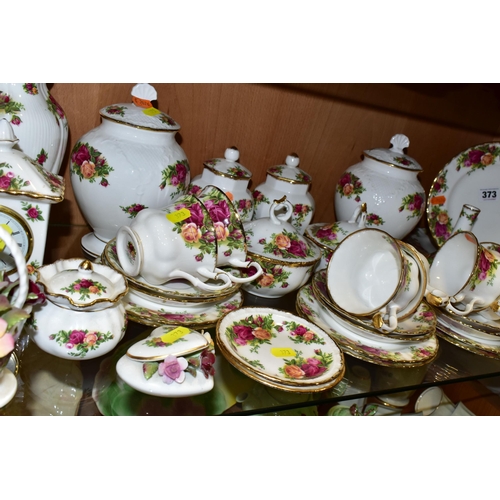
[175, 302]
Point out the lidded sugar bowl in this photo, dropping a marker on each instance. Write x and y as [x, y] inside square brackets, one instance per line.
[387, 180]
[83, 316]
[287, 257]
[230, 176]
[294, 183]
[129, 162]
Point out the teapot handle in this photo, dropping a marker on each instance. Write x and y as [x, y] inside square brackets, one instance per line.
[20, 262]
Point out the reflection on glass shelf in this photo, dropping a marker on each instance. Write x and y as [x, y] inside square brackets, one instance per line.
[54, 386]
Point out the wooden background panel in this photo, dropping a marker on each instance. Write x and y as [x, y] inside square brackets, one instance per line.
[266, 123]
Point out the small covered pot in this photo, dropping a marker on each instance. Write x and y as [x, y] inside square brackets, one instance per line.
[230, 176]
[387, 181]
[286, 256]
[327, 236]
[294, 183]
[83, 316]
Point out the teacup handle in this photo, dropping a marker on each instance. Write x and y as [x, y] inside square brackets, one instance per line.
[246, 265]
[201, 284]
[379, 323]
[468, 307]
[437, 298]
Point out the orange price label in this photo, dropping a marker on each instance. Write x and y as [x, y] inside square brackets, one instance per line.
[230, 195]
[142, 103]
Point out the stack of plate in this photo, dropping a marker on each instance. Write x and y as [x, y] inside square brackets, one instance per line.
[280, 350]
[177, 302]
[413, 343]
[474, 332]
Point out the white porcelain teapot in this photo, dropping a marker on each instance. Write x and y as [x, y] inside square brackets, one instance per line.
[387, 180]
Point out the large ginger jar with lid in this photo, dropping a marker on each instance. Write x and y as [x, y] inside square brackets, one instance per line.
[131, 161]
[294, 183]
[230, 176]
[39, 122]
[387, 181]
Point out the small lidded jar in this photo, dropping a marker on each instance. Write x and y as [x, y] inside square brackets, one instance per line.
[230, 176]
[294, 183]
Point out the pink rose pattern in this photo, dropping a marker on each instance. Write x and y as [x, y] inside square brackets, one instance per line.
[10, 107]
[85, 288]
[33, 213]
[133, 210]
[374, 220]
[286, 245]
[176, 175]
[9, 181]
[80, 342]
[55, 108]
[89, 164]
[30, 88]
[414, 203]
[478, 158]
[115, 110]
[349, 186]
[197, 230]
[486, 269]
[301, 368]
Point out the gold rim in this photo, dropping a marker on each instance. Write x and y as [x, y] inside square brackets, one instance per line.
[223, 174]
[142, 127]
[445, 336]
[138, 319]
[393, 164]
[282, 262]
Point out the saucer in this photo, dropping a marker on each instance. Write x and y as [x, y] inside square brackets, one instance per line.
[380, 352]
[147, 312]
[92, 245]
[458, 340]
[180, 290]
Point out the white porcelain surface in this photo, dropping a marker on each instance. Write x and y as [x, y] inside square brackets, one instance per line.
[463, 276]
[177, 241]
[429, 400]
[131, 373]
[411, 353]
[78, 335]
[387, 181]
[279, 346]
[40, 122]
[8, 386]
[472, 177]
[294, 183]
[232, 177]
[129, 162]
[286, 256]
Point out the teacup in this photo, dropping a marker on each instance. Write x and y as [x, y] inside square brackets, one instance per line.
[177, 241]
[368, 275]
[464, 275]
[231, 240]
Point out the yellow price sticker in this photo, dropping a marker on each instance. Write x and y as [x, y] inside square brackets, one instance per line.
[283, 352]
[9, 230]
[179, 215]
[175, 334]
[151, 111]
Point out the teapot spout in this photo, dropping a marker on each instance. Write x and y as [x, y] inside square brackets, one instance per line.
[467, 219]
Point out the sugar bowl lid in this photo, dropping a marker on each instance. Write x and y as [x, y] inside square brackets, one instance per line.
[81, 285]
[290, 171]
[140, 112]
[229, 166]
[275, 238]
[395, 156]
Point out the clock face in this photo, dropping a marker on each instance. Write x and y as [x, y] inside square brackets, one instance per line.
[20, 231]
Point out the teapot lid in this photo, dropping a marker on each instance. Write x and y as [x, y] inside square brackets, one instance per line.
[395, 156]
[80, 284]
[290, 171]
[140, 112]
[229, 166]
[276, 239]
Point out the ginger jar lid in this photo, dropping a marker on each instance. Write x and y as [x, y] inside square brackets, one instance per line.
[395, 156]
[229, 166]
[140, 112]
[290, 171]
[81, 285]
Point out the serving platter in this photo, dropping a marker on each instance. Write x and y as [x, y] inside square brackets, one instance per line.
[472, 177]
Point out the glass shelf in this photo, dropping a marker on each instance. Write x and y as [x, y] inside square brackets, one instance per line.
[52, 386]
